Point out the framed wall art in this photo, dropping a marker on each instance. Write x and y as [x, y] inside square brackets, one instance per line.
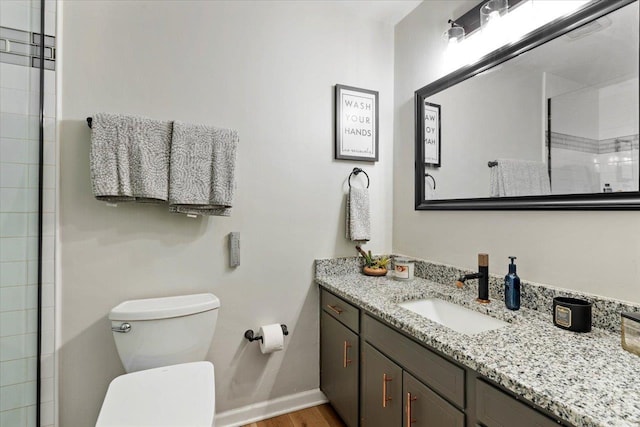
[356, 124]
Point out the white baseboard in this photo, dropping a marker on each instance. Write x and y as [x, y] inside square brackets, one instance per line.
[270, 408]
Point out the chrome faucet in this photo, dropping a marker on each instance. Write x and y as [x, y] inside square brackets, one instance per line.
[483, 279]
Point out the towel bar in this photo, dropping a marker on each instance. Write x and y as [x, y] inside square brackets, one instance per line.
[426, 175]
[356, 171]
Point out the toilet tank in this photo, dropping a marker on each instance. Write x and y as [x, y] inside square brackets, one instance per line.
[155, 332]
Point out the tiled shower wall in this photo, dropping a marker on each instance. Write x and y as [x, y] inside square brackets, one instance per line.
[19, 158]
[594, 139]
[582, 165]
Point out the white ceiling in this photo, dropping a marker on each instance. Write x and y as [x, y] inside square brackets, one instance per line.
[601, 57]
[388, 11]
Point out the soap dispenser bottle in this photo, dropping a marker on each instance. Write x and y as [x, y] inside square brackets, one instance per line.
[512, 287]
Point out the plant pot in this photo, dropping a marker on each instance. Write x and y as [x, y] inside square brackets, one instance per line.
[368, 271]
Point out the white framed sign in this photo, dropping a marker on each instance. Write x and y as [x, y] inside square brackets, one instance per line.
[431, 133]
[356, 124]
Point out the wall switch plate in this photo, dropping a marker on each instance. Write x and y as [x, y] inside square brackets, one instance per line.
[234, 249]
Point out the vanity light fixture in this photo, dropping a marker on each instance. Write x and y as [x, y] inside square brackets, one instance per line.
[455, 34]
[492, 11]
[501, 25]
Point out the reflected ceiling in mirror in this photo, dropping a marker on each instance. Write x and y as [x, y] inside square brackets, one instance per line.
[549, 122]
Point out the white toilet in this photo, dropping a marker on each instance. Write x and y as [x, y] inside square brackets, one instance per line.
[162, 343]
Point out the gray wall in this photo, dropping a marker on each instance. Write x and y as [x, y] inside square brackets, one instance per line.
[596, 252]
[268, 70]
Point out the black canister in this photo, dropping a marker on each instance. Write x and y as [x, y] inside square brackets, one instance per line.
[572, 314]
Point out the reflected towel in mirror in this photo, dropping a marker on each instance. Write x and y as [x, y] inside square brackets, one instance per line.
[511, 177]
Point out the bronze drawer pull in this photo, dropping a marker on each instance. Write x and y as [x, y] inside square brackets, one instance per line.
[409, 400]
[335, 309]
[345, 354]
[385, 399]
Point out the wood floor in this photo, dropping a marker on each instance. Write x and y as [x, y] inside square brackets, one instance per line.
[316, 416]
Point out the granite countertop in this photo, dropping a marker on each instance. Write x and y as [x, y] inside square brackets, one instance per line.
[586, 379]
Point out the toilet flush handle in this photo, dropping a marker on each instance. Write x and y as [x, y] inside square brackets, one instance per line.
[123, 328]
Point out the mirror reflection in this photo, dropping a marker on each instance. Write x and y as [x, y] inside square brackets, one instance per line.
[560, 119]
[594, 138]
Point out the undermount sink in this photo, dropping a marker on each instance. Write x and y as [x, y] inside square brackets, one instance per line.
[453, 316]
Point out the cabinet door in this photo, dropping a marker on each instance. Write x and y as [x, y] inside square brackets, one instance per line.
[381, 390]
[339, 361]
[424, 408]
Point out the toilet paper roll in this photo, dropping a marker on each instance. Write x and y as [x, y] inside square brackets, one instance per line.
[272, 338]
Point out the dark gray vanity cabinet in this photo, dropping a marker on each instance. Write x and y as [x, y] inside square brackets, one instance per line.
[340, 358]
[417, 373]
[398, 382]
[444, 377]
[390, 396]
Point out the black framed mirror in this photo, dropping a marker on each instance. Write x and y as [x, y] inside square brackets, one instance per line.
[547, 122]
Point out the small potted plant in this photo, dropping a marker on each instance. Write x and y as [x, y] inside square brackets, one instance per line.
[373, 266]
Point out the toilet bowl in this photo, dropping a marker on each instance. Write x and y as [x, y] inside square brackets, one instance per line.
[177, 396]
[162, 343]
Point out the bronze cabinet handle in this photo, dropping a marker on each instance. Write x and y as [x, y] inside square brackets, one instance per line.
[409, 400]
[335, 309]
[385, 399]
[345, 354]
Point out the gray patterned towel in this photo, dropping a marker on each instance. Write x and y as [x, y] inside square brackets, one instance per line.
[202, 170]
[358, 215]
[511, 177]
[129, 158]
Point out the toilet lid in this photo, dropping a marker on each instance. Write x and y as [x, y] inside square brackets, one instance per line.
[178, 395]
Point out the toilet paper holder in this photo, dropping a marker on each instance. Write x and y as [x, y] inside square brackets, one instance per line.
[250, 335]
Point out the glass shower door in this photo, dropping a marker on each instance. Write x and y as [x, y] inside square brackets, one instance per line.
[19, 166]
[23, 200]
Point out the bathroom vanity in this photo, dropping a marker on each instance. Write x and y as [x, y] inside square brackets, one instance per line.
[402, 378]
[383, 365]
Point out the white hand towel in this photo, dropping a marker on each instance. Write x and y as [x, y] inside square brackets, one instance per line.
[358, 215]
[202, 171]
[129, 158]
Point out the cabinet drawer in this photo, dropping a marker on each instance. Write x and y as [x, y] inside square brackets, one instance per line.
[441, 375]
[341, 310]
[498, 409]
